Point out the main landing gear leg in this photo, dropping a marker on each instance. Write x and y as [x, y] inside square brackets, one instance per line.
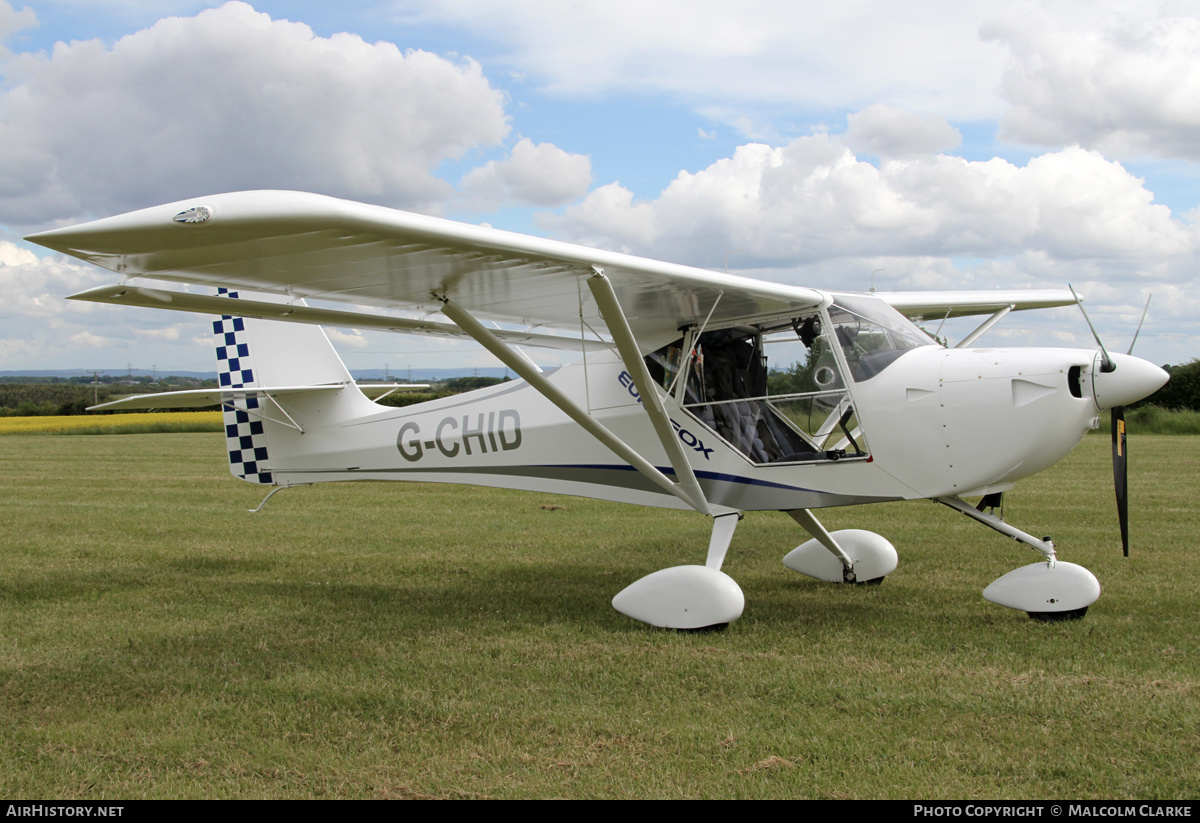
[844, 556]
[1049, 591]
[690, 598]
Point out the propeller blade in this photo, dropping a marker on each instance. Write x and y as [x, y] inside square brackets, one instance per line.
[1140, 322]
[1106, 363]
[1121, 473]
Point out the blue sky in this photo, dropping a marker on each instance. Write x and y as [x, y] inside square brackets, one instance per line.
[952, 145]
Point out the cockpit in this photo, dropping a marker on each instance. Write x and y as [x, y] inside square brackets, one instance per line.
[734, 380]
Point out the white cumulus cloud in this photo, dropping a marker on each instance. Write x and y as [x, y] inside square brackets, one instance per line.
[38, 325]
[538, 174]
[1127, 90]
[727, 57]
[231, 99]
[814, 199]
[13, 21]
[887, 132]
[347, 337]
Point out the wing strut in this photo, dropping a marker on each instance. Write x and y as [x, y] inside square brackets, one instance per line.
[484, 336]
[631, 355]
[995, 318]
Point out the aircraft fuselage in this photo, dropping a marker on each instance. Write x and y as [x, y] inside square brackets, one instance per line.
[936, 422]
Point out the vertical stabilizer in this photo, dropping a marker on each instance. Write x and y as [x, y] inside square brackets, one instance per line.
[255, 353]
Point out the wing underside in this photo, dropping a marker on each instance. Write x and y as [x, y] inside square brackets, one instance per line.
[298, 246]
[311, 246]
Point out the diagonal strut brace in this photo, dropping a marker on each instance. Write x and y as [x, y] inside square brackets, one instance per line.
[481, 334]
[631, 355]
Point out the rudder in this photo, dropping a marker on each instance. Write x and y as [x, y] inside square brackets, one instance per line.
[255, 353]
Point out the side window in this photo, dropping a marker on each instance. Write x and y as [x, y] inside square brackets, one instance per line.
[811, 394]
[771, 414]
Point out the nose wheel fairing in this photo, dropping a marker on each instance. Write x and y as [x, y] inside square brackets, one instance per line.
[1051, 588]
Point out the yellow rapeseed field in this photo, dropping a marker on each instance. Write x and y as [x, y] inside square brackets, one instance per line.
[50, 425]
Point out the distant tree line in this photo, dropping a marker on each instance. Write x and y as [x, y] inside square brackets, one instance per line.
[106, 379]
[35, 399]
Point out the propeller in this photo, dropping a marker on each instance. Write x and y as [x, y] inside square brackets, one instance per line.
[1133, 386]
[1121, 473]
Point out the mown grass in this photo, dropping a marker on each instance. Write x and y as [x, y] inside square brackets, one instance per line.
[415, 640]
[135, 423]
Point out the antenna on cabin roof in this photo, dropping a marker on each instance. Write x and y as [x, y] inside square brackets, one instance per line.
[873, 278]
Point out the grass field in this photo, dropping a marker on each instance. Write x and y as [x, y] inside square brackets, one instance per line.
[397, 640]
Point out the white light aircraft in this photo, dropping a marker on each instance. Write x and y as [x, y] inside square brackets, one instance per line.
[667, 405]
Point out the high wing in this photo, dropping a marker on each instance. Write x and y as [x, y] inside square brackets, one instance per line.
[919, 306]
[942, 305]
[311, 246]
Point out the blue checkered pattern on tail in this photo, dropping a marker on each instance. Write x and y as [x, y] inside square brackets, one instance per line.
[244, 436]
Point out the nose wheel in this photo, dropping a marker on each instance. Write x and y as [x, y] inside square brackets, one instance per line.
[1050, 591]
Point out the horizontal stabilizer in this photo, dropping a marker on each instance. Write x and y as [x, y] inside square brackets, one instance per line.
[299, 313]
[198, 398]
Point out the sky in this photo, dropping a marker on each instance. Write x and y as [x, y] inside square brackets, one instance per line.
[924, 145]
